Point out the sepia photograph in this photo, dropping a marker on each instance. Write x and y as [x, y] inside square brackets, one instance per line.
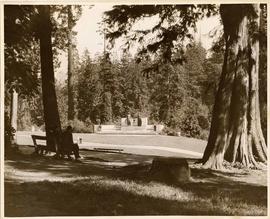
[134, 109]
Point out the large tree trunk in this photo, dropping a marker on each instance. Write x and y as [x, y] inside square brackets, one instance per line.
[51, 114]
[70, 67]
[235, 133]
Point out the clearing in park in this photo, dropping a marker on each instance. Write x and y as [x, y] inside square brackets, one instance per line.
[128, 110]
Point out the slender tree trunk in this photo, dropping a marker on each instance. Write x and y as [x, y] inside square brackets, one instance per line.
[70, 67]
[14, 109]
[235, 133]
[51, 114]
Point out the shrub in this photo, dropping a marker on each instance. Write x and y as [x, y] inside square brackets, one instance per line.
[170, 131]
[190, 120]
[204, 134]
[9, 133]
[80, 126]
[190, 126]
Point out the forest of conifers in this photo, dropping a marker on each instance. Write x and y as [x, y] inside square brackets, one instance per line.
[179, 96]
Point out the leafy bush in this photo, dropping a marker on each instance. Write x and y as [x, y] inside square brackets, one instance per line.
[80, 126]
[9, 132]
[204, 134]
[190, 126]
[190, 120]
[170, 131]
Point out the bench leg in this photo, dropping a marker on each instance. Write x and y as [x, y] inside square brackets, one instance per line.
[36, 150]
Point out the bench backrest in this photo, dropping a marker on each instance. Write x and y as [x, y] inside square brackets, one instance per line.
[38, 137]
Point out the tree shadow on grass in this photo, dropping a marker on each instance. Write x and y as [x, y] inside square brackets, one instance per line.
[29, 167]
[105, 196]
[217, 186]
[101, 185]
[70, 199]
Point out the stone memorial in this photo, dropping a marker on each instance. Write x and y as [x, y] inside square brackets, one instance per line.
[130, 125]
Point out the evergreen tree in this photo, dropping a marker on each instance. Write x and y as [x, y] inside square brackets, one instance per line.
[73, 14]
[263, 69]
[135, 87]
[168, 93]
[106, 80]
[117, 94]
[195, 57]
[51, 114]
[212, 69]
[236, 133]
[32, 37]
[89, 90]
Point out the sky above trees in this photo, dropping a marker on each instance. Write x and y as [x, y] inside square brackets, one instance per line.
[89, 36]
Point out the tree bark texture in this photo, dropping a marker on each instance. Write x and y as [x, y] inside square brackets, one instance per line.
[51, 114]
[236, 133]
[70, 67]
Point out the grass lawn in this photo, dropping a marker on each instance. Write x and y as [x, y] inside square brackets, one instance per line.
[119, 184]
[192, 144]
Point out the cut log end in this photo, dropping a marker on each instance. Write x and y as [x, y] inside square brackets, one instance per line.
[170, 170]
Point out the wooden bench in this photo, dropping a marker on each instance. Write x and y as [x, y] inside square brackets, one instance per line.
[44, 149]
[39, 148]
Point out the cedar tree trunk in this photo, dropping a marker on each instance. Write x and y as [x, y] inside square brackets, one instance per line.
[236, 133]
[51, 114]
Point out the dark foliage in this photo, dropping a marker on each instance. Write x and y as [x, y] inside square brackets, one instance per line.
[173, 26]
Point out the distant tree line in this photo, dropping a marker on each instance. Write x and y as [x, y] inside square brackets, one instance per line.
[179, 96]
